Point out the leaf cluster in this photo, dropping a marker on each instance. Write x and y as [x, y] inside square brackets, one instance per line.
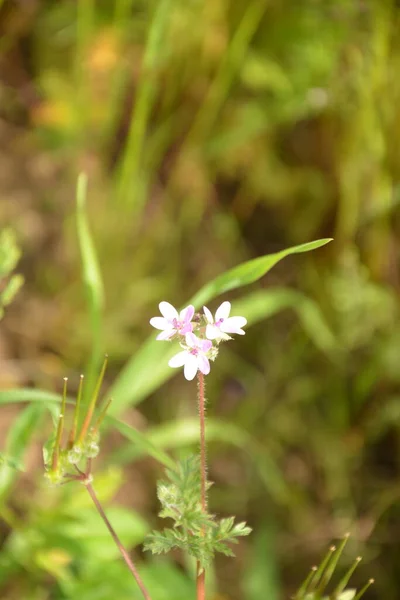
[194, 530]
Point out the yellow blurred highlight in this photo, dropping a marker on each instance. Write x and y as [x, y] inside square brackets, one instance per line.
[103, 54]
[53, 113]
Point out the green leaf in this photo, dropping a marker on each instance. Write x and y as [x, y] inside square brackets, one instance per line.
[148, 368]
[19, 436]
[141, 442]
[18, 395]
[248, 272]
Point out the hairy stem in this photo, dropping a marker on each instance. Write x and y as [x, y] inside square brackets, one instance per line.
[201, 576]
[118, 542]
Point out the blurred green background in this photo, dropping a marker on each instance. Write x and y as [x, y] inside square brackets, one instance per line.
[212, 132]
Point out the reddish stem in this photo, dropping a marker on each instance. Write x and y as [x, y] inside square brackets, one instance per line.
[117, 541]
[201, 576]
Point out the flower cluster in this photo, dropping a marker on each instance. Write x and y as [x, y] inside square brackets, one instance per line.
[199, 334]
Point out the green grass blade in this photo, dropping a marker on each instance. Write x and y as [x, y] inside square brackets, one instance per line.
[17, 395]
[249, 272]
[19, 436]
[148, 368]
[93, 283]
[142, 444]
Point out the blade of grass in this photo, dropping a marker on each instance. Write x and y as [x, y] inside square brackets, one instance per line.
[148, 368]
[249, 272]
[93, 283]
[141, 442]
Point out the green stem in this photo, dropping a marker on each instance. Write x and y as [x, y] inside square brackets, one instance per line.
[117, 541]
[200, 583]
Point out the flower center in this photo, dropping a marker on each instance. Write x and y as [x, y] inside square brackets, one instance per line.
[177, 324]
[193, 351]
[218, 323]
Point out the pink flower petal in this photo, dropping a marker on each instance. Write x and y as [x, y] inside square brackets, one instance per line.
[168, 311]
[204, 364]
[186, 315]
[187, 328]
[191, 366]
[233, 325]
[179, 359]
[160, 323]
[208, 315]
[223, 311]
[205, 345]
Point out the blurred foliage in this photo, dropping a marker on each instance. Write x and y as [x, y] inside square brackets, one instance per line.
[9, 256]
[212, 132]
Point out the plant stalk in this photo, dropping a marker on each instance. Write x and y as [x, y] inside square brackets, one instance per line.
[117, 541]
[201, 576]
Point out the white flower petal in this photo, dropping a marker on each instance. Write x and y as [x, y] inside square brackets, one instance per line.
[179, 359]
[186, 315]
[208, 315]
[233, 325]
[212, 332]
[168, 311]
[160, 323]
[223, 311]
[191, 340]
[204, 364]
[191, 366]
[166, 335]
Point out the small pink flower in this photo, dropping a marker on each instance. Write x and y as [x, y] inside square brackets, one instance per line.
[173, 322]
[194, 357]
[223, 323]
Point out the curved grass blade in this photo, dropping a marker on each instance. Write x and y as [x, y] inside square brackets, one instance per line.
[93, 283]
[148, 368]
